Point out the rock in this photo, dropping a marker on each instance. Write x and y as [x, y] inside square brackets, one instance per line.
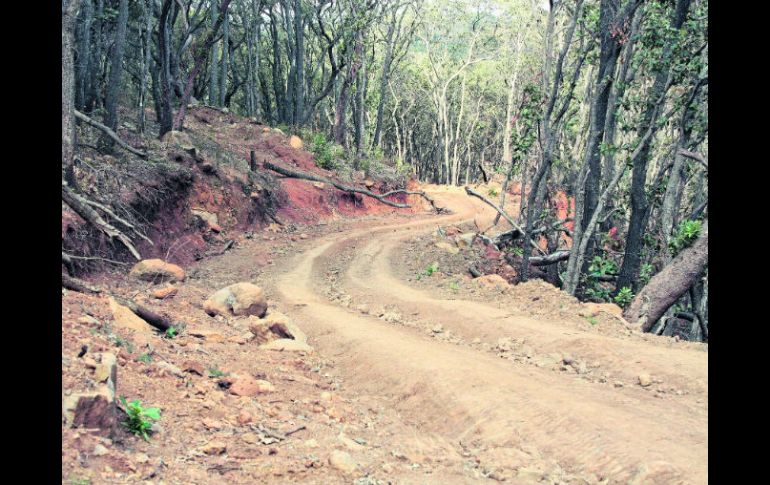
[214, 448]
[237, 299]
[447, 247]
[438, 328]
[295, 142]
[194, 367]
[88, 320]
[93, 410]
[171, 368]
[125, 318]
[156, 270]
[593, 309]
[275, 325]
[505, 344]
[342, 461]
[249, 386]
[492, 281]
[163, 293]
[369, 183]
[100, 450]
[208, 218]
[107, 368]
[250, 438]
[465, 240]
[287, 345]
[645, 380]
[244, 417]
[178, 138]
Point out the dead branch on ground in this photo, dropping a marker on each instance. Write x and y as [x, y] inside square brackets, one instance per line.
[107, 131]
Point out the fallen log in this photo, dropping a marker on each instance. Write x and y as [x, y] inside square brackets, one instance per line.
[107, 131]
[81, 205]
[552, 258]
[158, 321]
[505, 215]
[380, 197]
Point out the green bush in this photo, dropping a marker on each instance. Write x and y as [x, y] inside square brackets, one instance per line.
[624, 296]
[686, 233]
[139, 419]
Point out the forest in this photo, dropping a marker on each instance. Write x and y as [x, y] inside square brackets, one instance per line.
[605, 100]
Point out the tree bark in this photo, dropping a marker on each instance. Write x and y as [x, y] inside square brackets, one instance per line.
[111, 134]
[69, 14]
[116, 66]
[666, 287]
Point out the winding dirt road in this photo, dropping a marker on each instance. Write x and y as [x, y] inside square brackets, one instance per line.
[458, 395]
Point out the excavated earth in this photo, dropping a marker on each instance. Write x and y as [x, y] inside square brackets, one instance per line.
[436, 380]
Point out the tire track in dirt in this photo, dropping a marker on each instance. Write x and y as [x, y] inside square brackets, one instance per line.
[462, 395]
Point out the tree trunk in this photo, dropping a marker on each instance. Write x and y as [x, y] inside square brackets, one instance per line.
[83, 79]
[639, 214]
[69, 14]
[116, 66]
[224, 62]
[166, 117]
[299, 63]
[342, 102]
[666, 287]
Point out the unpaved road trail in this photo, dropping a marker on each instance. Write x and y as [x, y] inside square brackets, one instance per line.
[456, 395]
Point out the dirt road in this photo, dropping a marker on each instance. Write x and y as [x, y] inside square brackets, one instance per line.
[454, 395]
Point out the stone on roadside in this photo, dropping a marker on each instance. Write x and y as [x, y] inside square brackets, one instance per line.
[156, 270]
[163, 293]
[238, 299]
[249, 386]
[645, 380]
[342, 461]
[492, 281]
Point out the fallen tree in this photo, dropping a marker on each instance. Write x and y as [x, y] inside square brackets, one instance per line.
[82, 206]
[158, 321]
[505, 215]
[107, 131]
[666, 287]
[345, 188]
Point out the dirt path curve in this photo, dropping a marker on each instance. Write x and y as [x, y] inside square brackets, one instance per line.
[461, 395]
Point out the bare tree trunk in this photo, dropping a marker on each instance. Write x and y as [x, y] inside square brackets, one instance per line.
[666, 287]
[69, 14]
[116, 66]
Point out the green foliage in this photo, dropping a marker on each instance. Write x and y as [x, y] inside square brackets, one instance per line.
[592, 320]
[597, 292]
[624, 296]
[645, 273]
[215, 372]
[145, 357]
[140, 419]
[79, 481]
[171, 332]
[601, 267]
[493, 192]
[432, 268]
[327, 153]
[454, 285]
[517, 251]
[686, 233]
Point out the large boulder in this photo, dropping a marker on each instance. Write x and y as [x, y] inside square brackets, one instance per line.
[239, 299]
[95, 409]
[275, 325]
[156, 270]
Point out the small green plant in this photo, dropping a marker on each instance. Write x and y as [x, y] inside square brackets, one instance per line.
[592, 320]
[140, 419]
[645, 273]
[171, 332]
[80, 481]
[624, 296]
[428, 271]
[601, 267]
[517, 251]
[493, 192]
[215, 372]
[145, 357]
[686, 233]
[598, 293]
[454, 285]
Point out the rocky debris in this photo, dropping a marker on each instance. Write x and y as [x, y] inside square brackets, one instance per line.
[465, 240]
[645, 380]
[156, 270]
[214, 448]
[593, 309]
[438, 328]
[295, 142]
[194, 367]
[88, 320]
[163, 293]
[249, 386]
[445, 246]
[125, 318]
[492, 281]
[342, 461]
[238, 299]
[208, 218]
[100, 450]
[107, 368]
[92, 410]
[275, 325]
[171, 368]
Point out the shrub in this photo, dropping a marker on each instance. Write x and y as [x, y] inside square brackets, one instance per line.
[139, 419]
[624, 296]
